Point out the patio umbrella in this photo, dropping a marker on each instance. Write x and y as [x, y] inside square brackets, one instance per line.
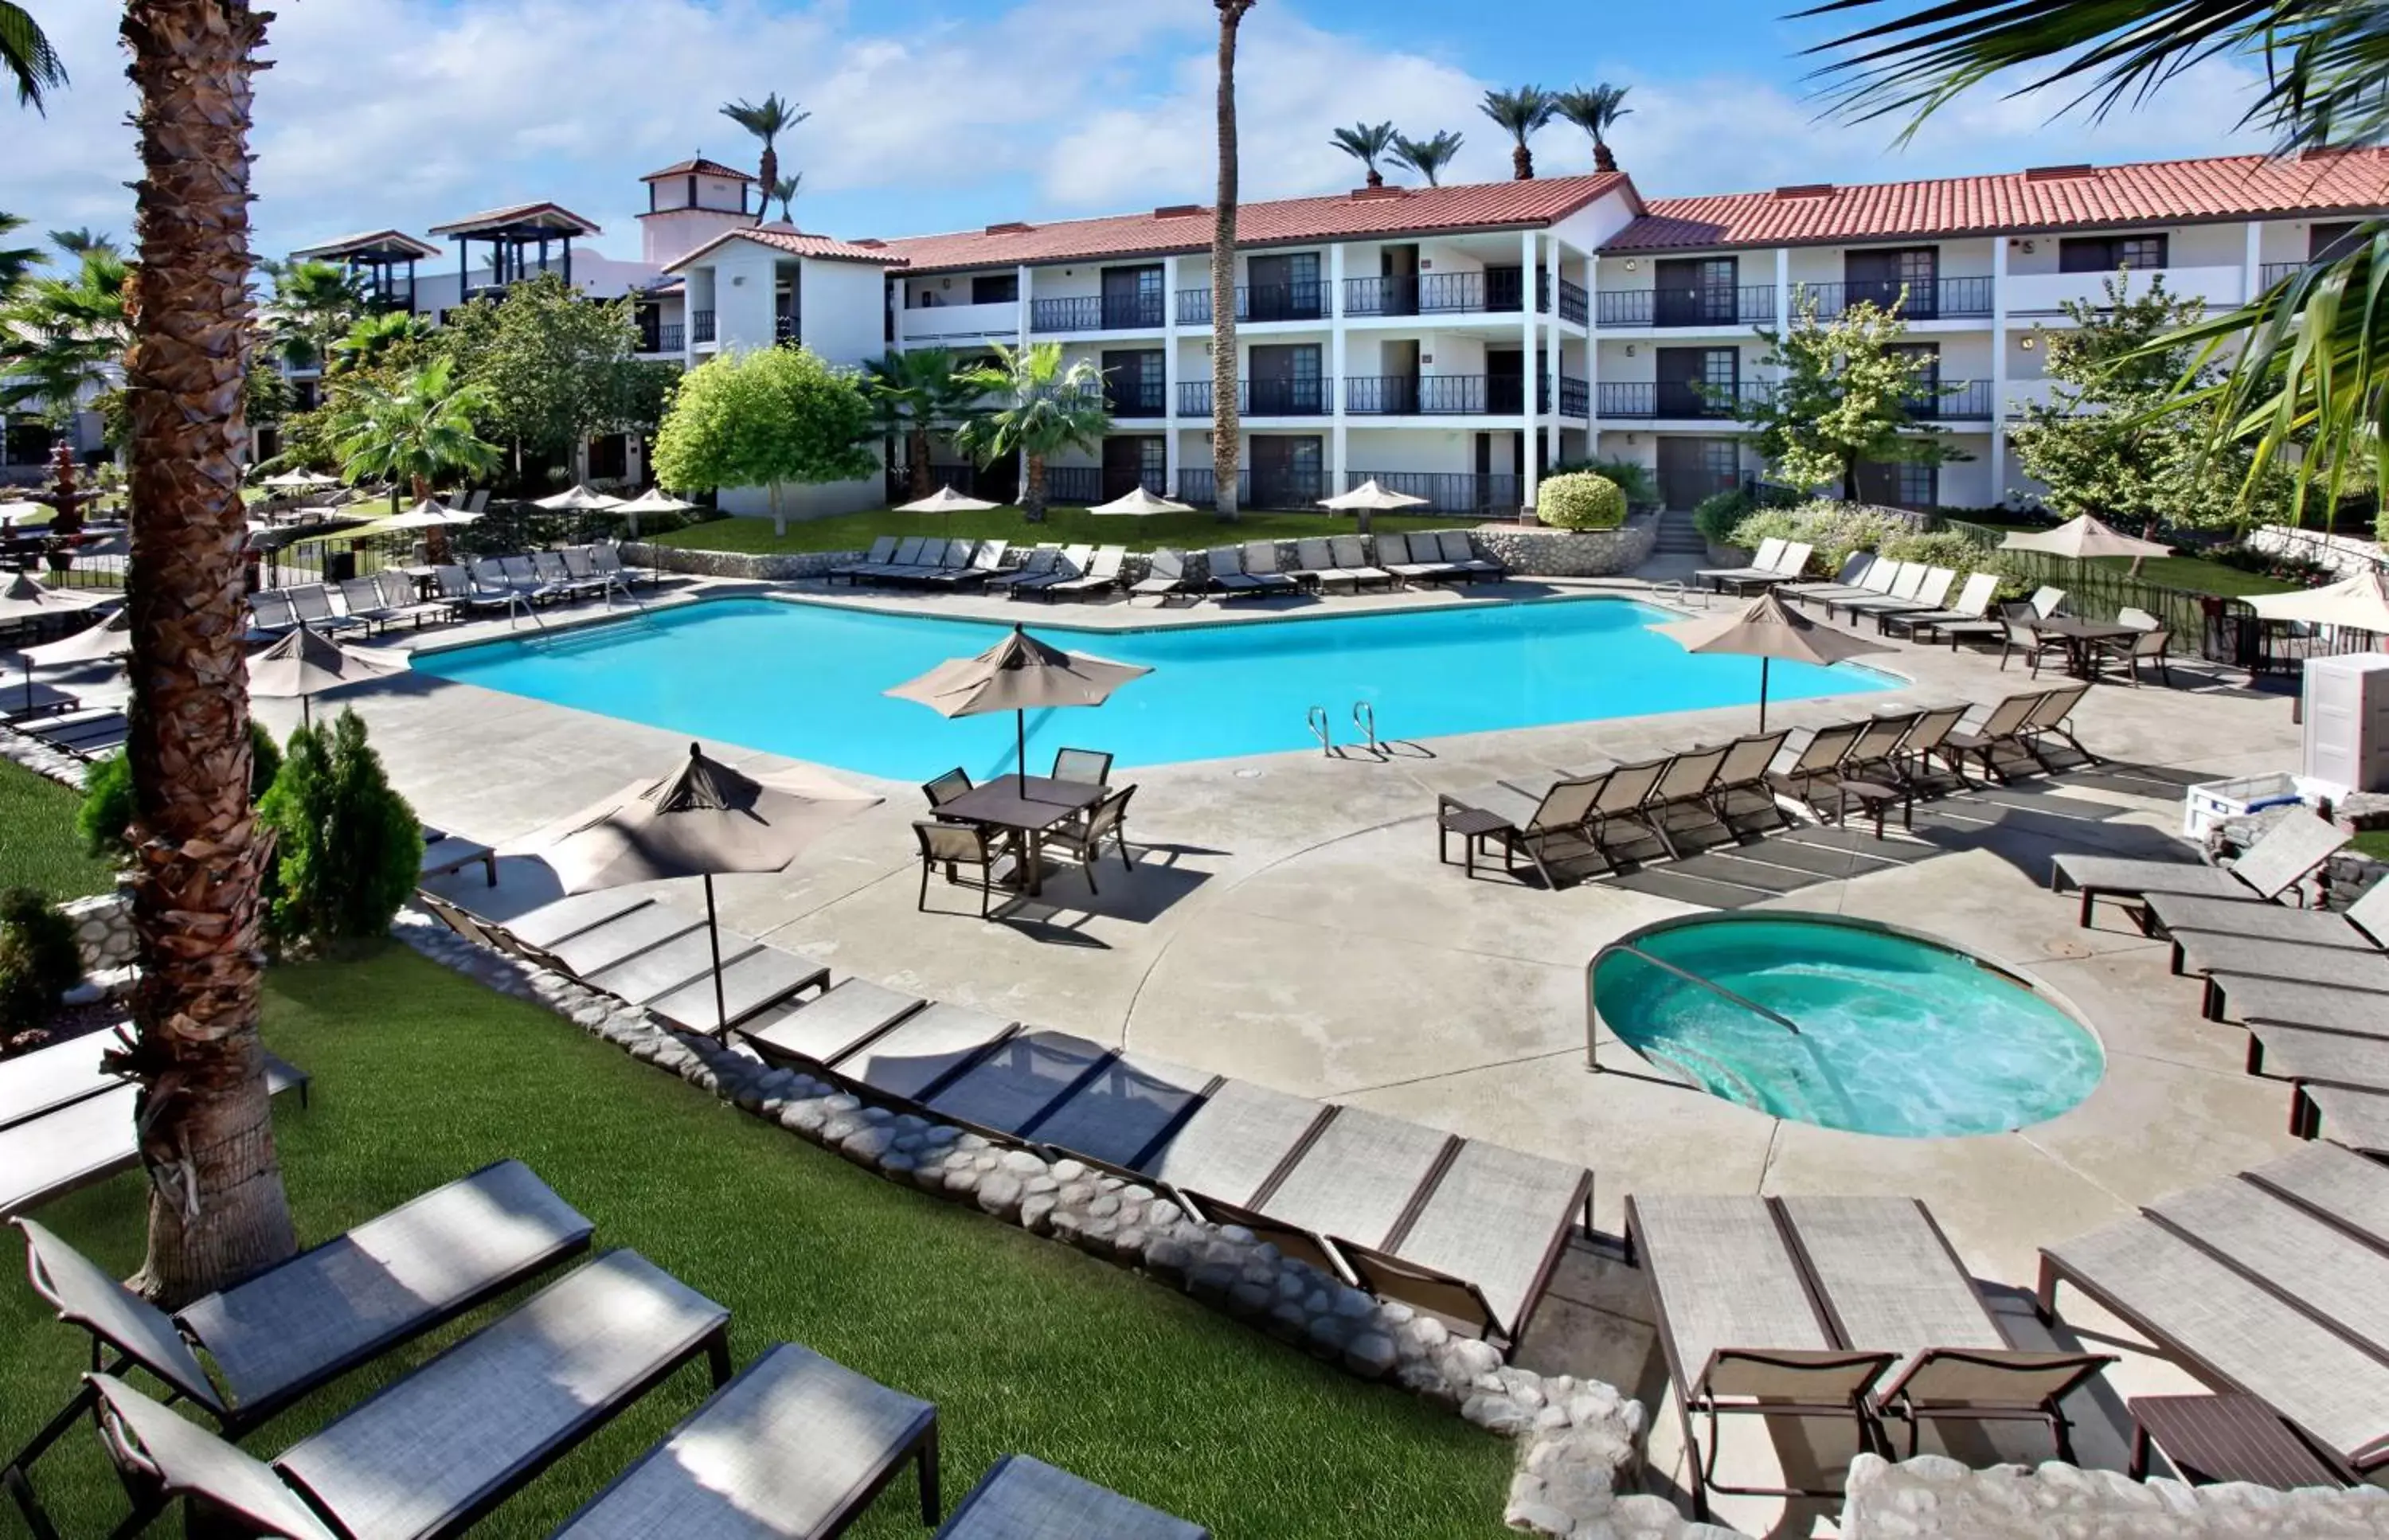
[1014, 675]
[26, 598]
[304, 662]
[2359, 604]
[110, 638]
[701, 818]
[579, 498]
[289, 482]
[946, 502]
[655, 499]
[1137, 502]
[1370, 498]
[426, 514]
[1767, 629]
[2080, 539]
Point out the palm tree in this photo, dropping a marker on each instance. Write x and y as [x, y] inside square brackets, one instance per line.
[16, 262]
[1596, 112]
[216, 1208]
[62, 339]
[785, 191]
[1227, 424]
[372, 337]
[1367, 143]
[417, 431]
[915, 394]
[766, 120]
[1036, 407]
[314, 305]
[27, 55]
[1427, 156]
[84, 240]
[1520, 112]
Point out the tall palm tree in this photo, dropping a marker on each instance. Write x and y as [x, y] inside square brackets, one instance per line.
[1520, 112]
[16, 262]
[415, 432]
[26, 57]
[1596, 110]
[1036, 407]
[313, 306]
[371, 338]
[1427, 156]
[766, 120]
[914, 395]
[216, 1208]
[785, 191]
[1227, 422]
[2309, 357]
[84, 240]
[1367, 143]
[62, 339]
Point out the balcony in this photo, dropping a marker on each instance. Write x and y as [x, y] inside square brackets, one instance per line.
[1258, 303]
[2046, 294]
[1934, 300]
[664, 337]
[1674, 399]
[1076, 485]
[1449, 492]
[1095, 312]
[1953, 400]
[700, 326]
[1415, 394]
[2273, 273]
[1572, 302]
[1262, 398]
[1283, 490]
[1701, 305]
[1135, 398]
[1501, 291]
[937, 324]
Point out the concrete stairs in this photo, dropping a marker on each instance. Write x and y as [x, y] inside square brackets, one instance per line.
[1678, 538]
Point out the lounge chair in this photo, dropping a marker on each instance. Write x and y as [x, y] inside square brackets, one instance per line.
[1890, 1280]
[907, 559]
[1008, 1091]
[1906, 578]
[883, 551]
[1416, 559]
[984, 563]
[607, 560]
[94, 732]
[312, 603]
[1035, 567]
[1103, 575]
[1741, 793]
[1226, 566]
[1764, 563]
[1125, 1110]
[87, 1140]
[28, 701]
[828, 1027]
[1790, 564]
[1360, 1175]
[1931, 591]
[1236, 1142]
[401, 599]
[1927, 740]
[45, 1080]
[1684, 797]
[278, 1335]
[1874, 754]
[360, 597]
[2001, 729]
[2273, 867]
[523, 574]
[1072, 564]
[1352, 558]
[2189, 922]
[1624, 803]
[1814, 766]
[457, 587]
[1850, 582]
[270, 615]
[2352, 1116]
[927, 559]
[547, 568]
[796, 1447]
[2227, 956]
[1547, 828]
[1460, 552]
[1165, 574]
[440, 1447]
[445, 854]
[1318, 569]
[1740, 1330]
[1023, 1498]
[2047, 720]
[917, 1057]
[1260, 564]
[1973, 603]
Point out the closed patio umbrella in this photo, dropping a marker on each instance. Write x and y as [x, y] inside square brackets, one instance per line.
[1017, 674]
[703, 818]
[1137, 501]
[1370, 498]
[2082, 538]
[1767, 629]
[304, 662]
[2359, 604]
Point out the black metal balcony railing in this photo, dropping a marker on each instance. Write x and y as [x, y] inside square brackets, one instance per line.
[700, 326]
[1283, 490]
[1499, 291]
[1096, 313]
[1306, 301]
[1447, 492]
[787, 328]
[2273, 273]
[1262, 398]
[1077, 484]
[1677, 399]
[1695, 305]
[662, 337]
[1135, 398]
[1413, 395]
[1932, 299]
[1572, 302]
[397, 297]
[1951, 400]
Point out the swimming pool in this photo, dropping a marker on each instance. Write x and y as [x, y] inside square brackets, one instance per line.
[805, 680]
[1845, 1024]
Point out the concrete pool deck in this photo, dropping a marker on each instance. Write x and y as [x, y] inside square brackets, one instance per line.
[1287, 923]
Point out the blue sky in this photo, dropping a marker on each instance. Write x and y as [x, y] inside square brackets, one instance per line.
[945, 114]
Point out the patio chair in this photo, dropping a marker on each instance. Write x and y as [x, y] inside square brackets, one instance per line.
[1849, 582]
[1890, 1280]
[882, 550]
[279, 1335]
[794, 1447]
[2289, 853]
[1742, 795]
[2019, 633]
[1226, 566]
[1021, 1497]
[2131, 655]
[1763, 564]
[270, 615]
[1038, 565]
[1974, 604]
[436, 1450]
[1739, 1329]
[1905, 579]
[1416, 559]
[1352, 558]
[403, 600]
[1315, 566]
[1084, 842]
[953, 846]
[1684, 797]
[2190, 922]
[2001, 727]
[313, 605]
[2047, 601]
[1103, 575]
[1458, 550]
[1165, 574]
[826, 1028]
[360, 598]
[1087, 765]
[1236, 1141]
[946, 787]
[1624, 803]
[1260, 565]
[1816, 764]
[1546, 828]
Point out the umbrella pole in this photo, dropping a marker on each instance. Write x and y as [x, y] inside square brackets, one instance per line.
[1020, 749]
[1763, 665]
[713, 934]
[303, 723]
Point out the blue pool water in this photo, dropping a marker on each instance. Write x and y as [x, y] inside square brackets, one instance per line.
[1897, 1035]
[806, 679]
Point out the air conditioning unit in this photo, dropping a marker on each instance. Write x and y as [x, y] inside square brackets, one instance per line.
[2347, 722]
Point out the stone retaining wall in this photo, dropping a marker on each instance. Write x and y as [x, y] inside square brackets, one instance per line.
[103, 926]
[41, 758]
[1934, 1498]
[732, 564]
[2343, 553]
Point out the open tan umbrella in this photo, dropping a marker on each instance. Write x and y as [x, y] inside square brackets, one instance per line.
[1370, 498]
[655, 499]
[304, 662]
[2082, 538]
[701, 818]
[1767, 629]
[426, 514]
[1017, 674]
[945, 499]
[299, 481]
[25, 598]
[1137, 501]
[110, 638]
[2360, 603]
[579, 498]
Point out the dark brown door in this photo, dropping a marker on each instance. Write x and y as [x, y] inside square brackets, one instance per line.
[1133, 460]
[2106, 253]
[1505, 288]
[1694, 291]
[1285, 381]
[1131, 296]
[1132, 382]
[1691, 470]
[1899, 484]
[2325, 241]
[1396, 282]
[1289, 471]
[1698, 382]
[1907, 275]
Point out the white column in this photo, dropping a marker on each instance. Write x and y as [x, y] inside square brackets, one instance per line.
[1169, 374]
[1998, 450]
[1592, 355]
[2251, 281]
[1022, 284]
[1550, 324]
[1336, 457]
[1527, 458]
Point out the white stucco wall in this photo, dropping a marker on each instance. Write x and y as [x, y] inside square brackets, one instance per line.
[842, 305]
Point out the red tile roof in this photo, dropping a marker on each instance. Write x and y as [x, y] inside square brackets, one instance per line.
[1187, 227]
[797, 243]
[700, 166]
[2155, 192]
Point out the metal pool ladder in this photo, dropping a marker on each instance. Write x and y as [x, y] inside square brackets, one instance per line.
[1364, 717]
[1322, 729]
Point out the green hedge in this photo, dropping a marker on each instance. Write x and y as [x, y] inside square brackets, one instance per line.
[1580, 500]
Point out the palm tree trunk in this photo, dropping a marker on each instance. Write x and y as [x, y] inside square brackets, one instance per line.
[1032, 489]
[1227, 425]
[920, 462]
[1521, 163]
[771, 170]
[1602, 159]
[217, 1212]
[1376, 178]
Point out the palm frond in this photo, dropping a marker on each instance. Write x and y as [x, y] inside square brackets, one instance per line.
[1594, 108]
[28, 58]
[1427, 157]
[1519, 112]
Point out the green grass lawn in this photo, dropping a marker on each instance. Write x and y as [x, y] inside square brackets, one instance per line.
[421, 1076]
[2197, 575]
[1062, 525]
[38, 847]
[2373, 843]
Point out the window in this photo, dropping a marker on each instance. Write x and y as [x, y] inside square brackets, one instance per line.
[2106, 253]
[996, 288]
[1918, 484]
[2325, 242]
[2140, 253]
[1721, 458]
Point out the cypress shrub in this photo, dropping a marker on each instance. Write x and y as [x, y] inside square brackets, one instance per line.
[347, 849]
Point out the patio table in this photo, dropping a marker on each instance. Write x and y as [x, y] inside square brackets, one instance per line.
[1026, 809]
[2081, 637]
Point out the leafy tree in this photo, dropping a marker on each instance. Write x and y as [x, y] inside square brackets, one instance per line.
[552, 368]
[1841, 397]
[766, 120]
[373, 338]
[313, 306]
[26, 56]
[1596, 110]
[765, 418]
[348, 848]
[1368, 143]
[1227, 421]
[1520, 112]
[915, 394]
[62, 339]
[1037, 406]
[1427, 156]
[2113, 440]
[415, 432]
[82, 239]
[39, 960]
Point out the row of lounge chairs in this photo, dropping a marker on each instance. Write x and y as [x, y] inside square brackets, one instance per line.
[1250, 570]
[793, 1446]
[1704, 795]
[371, 604]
